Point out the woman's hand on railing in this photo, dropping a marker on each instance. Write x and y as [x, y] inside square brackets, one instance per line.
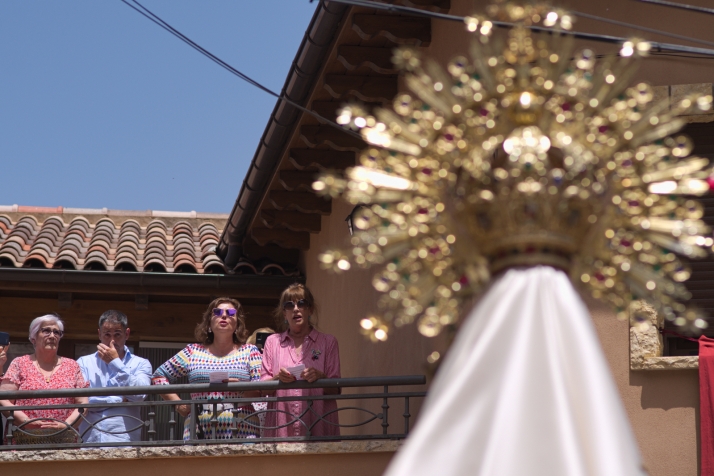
[311, 375]
[247, 394]
[183, 410]
[285, 376]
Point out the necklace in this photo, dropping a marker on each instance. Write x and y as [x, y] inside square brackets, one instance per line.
[42, 371]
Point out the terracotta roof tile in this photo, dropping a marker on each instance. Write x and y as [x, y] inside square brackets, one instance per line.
[122, 240]
[98, 238]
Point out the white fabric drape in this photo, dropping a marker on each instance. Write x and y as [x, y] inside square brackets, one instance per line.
[524, 390]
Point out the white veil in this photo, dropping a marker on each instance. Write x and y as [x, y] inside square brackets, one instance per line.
[524, 390]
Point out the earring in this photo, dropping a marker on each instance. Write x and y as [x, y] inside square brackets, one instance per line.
[210, 331]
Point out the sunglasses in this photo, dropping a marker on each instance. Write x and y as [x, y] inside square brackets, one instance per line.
[219, 312]
[46, 331]
[290, 305]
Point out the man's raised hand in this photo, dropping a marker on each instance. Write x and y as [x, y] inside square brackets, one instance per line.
[107, 354]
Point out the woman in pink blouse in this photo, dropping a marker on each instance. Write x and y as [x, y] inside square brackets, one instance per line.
[44, 370]
[300, 344]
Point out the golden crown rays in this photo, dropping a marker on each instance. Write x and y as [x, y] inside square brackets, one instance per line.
[525, 153]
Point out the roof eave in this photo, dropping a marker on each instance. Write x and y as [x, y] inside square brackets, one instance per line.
[120, 282]
[299, 84]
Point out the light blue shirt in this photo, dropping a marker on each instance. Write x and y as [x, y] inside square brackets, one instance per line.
[132, 371]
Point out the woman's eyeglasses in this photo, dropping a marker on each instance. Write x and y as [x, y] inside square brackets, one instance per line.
[46, 331]
[290, 305]
[219, 312]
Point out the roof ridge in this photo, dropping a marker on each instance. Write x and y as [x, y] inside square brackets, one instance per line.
[110, 212]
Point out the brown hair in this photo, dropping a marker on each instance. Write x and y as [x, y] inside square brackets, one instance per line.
[239, 336]
[294, 293]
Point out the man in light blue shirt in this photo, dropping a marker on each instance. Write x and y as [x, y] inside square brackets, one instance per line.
[113, 365]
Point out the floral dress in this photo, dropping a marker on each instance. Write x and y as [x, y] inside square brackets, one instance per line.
[23, 373]
[196, 362]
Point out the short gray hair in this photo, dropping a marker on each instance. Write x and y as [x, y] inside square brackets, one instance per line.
[38, 321]
[117, 317]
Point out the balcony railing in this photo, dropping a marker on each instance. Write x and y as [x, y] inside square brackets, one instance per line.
[161, 424]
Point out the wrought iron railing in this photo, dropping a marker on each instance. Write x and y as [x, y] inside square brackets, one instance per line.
[366, 409]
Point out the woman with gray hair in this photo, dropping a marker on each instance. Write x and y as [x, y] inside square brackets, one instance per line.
[43, 370]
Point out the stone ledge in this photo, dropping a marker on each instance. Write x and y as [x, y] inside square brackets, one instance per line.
[646, 342]
[257, 449]
[666, 363]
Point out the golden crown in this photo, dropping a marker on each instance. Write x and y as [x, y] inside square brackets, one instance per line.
[523, 154]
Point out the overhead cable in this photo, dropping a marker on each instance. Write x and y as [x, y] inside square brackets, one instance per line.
[135, 5]
[683, 6]
[657, 47]
[642, 28]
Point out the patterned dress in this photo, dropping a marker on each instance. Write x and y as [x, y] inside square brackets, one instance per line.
[196, 362]
[293, 418]
[23, 373]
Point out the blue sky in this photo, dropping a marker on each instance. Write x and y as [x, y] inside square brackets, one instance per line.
[99, 107]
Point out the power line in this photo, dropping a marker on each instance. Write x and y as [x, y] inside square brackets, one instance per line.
[656, 54]
[682, 55]
[135, 5]
[683, 6]
[656, 46]
[443, 16]
[642, 28]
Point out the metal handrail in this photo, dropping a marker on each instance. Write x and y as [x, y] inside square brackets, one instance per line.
[271, 385]
[238, 401]
[159, 431]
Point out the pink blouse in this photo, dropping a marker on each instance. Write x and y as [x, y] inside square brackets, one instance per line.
[23, 373]
[319, 351]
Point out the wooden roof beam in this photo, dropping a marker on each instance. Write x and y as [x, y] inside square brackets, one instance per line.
[297, 179]
[305, 202]
[324, 159]
[377, 59]
[292, 220]
[441, 5]
[402, 30]
[366, 88]
[283, 238]
[256, 252]
[152, 284]
[314, 136]
[329, 109]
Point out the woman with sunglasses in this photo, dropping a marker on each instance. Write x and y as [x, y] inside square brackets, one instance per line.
[43, 370]
[300, 352]
[222, 335]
